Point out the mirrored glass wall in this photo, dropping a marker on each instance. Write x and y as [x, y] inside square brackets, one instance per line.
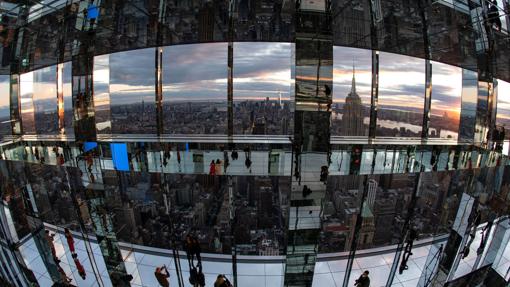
[195, 102]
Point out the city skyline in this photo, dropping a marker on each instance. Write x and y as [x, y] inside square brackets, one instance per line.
[270, 77]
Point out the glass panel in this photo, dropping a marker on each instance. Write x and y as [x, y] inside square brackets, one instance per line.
[341, 208]
[401, 96]
[468, 107]
[15, 104]
[261, 213]
[102, 93]
[400, 27]
[263, 20]
[446, 101]
[351, 26]
[132, 92]
[314, 68]
[67, 78]
[27, 106]
[195, 89]
[352, 82]
[481, 127]
[5, 124]
[45, 100]
[262, 86]
[503, 116]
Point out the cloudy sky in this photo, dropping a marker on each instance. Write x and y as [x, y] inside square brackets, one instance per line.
[199, 72]
[343, 60]
[504, 103]
[401, 81]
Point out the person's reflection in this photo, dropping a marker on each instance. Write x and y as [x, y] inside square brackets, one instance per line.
[247, 163]
[70, 240]
[212, 168]
[218, 246]
[64, 280]
[79, 266]
[49, 238]
[60, 159]
[192, 248]
[234, 155]
[200, 278]
[218, 166]
[226, 161]
[188, 247]
[178, 154]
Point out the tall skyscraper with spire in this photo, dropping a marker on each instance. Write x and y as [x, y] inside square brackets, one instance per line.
[352, 119]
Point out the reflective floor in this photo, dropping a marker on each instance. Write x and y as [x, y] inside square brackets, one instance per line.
[252, 271]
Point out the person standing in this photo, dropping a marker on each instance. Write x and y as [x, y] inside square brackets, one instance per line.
[162, 276]
[363, 280]
[212, 168]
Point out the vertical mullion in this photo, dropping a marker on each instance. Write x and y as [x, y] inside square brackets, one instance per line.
[159, 89]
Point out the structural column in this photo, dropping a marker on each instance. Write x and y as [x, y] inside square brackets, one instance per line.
[311, 148]
[82, 74]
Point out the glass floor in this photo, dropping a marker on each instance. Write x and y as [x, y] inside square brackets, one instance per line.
[251, 270]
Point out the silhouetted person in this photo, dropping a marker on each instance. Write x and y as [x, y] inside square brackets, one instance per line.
[70, 240]
[189, 248]
[162, 276]
[363, 280]
[247, 163]
[200, 278]
[121, 279]
[222, 281]
[324, 173]
[193, 276]
[235, 155]
[197, 250]
[226, 161]
[306, 191]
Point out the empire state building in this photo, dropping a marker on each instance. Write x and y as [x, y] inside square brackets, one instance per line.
[352, 119]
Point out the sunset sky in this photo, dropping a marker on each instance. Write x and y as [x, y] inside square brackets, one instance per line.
[199, 72]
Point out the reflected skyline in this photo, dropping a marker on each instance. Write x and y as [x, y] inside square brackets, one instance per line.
[267, 78]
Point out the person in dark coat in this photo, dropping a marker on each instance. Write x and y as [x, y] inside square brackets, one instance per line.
[363, 280]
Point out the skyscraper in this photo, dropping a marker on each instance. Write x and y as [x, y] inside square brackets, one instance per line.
[352, 119]
[372, 189]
